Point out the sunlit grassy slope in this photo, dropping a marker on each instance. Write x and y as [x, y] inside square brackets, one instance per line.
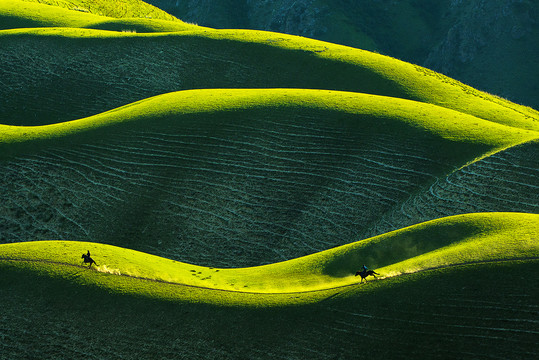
[27, 14]
[461, 136]
[115, 8]
[460, 240]
[191, 59]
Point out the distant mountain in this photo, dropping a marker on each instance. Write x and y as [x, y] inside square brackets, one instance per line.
[491, 45]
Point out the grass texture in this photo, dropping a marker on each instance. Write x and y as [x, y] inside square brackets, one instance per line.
[460, 240]
[27, 14]
[128, 119]
[116, 8]
[364, 111]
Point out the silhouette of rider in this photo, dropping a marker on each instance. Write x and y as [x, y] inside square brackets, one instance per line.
[364, 272]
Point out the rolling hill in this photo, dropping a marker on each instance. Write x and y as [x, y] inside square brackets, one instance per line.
[453, 241]
[312, 303]
[213, 164]
[28, 14]
[490, 45]
[229, 183]
[68, 61]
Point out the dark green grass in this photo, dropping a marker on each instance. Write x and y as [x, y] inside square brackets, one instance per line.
[482, 311]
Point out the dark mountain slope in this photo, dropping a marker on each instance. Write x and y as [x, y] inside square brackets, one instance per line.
[491, 45]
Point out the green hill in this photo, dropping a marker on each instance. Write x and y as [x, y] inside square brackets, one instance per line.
[24, 14]
[115, 9]
[461, 240]
[68, 61]
[192, 165]
[479, 264]
[229, 184]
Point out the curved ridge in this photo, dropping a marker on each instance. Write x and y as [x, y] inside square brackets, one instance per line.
[15, 14]
[450, 125]
[457, 240]
[190, 59]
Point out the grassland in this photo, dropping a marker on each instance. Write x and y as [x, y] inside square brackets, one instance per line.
[453, 241]
[374, 113]
[229, 183]
[28, 14]
[116, 9]
[478, 264]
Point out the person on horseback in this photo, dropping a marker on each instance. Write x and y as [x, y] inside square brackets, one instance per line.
[88, 259]
[364, 272]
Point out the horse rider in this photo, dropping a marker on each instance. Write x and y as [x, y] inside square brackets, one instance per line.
[364, 272]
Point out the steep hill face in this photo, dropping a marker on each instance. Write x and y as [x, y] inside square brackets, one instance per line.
[464, 40]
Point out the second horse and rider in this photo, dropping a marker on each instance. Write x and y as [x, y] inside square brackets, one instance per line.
[88, 259]
[366, 272]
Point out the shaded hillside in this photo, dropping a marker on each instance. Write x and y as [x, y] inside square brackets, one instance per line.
[467, 41]
[242, 177]
[474, 312]
[497, 182]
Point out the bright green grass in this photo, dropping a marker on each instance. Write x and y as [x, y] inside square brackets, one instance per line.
[111, 8]
[24, 14]
[374, 73]
[457, 240]
[416, 82]
[369, 112]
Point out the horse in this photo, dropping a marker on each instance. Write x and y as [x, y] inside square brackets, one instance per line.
[364, 274]
[88, 259]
